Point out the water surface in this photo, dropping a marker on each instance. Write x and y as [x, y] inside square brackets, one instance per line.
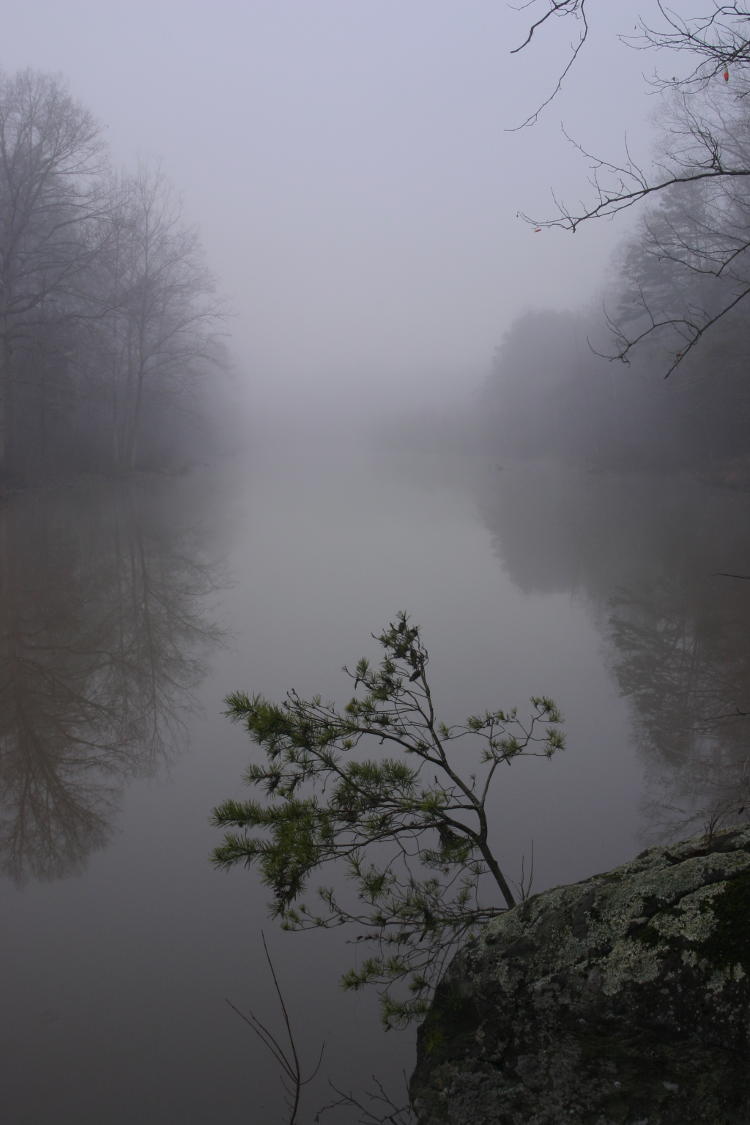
[130, 610]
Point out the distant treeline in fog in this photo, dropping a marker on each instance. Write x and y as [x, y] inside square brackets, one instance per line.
[686, 265]
[108, 317]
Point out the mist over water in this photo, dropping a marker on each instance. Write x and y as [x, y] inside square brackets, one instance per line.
[280, 356]
[270, 575]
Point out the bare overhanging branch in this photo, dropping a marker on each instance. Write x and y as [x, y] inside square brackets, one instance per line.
[719, 40]
[559, 8]
[692, 332]
[631, 185]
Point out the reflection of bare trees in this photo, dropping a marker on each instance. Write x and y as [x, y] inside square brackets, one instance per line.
[102, 638]
[682, 655]
[678, 630]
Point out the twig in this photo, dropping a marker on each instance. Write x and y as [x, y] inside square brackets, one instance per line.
[287, 1058]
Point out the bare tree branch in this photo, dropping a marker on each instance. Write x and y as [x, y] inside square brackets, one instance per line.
[576, 8]
[287, 1058]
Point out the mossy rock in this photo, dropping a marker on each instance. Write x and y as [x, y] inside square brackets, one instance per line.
[621, 999]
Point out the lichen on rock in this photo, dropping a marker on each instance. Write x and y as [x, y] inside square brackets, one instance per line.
[621, 999]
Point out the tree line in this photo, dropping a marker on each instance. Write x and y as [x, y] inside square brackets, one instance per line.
[108, 313]
[674, 312]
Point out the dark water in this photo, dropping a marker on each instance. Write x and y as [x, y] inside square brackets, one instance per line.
[130, 611]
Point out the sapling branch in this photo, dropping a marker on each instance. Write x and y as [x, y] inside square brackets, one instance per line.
[409, 834]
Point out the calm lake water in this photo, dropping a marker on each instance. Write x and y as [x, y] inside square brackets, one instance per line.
[129, 611]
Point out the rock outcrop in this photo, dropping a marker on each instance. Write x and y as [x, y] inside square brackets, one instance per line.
[621, 999]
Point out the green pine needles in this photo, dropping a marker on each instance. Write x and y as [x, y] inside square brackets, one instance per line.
[406, 838]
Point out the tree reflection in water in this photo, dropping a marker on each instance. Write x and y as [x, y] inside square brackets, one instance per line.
[681, 655]
[103, 637]
[646, 553]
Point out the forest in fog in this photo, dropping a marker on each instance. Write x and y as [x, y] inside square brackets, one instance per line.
[109, 322]
[112, 352]
[653, 375]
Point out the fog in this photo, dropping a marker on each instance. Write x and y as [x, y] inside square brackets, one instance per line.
[351, 171]
[299, 327]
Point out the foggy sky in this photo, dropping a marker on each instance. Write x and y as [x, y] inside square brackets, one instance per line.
[349, 166]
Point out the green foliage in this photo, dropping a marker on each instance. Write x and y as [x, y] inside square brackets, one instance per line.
[410, 833]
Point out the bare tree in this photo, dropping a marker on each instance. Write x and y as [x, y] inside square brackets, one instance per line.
[51, 156]
[701, 151]
[689, 267]
[107, 312]
[160, 331]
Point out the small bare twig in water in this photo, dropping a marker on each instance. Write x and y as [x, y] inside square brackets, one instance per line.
[286, 1057]
[384, 1110]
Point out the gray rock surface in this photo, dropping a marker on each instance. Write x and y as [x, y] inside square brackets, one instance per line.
[621, 999]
